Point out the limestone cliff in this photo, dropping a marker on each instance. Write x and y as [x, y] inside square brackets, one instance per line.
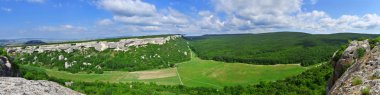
[356, 73]
[121, 45]
[21, 86]
[12, 84]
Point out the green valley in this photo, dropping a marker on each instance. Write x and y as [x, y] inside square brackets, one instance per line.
[271, 48]
[193, 73]
[211, 64]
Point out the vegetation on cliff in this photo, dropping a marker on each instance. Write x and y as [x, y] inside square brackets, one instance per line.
[151, 56]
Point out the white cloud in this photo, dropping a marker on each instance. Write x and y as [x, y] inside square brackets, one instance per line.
[258, 13]
[6, 9]
[209, 21]
[139, 15]
[104, 22]
[128, 7]
[238, 16]
[36, 1]
[62, 28]
[248, 15]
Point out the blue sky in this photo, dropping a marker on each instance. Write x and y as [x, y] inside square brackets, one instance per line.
[82, 19]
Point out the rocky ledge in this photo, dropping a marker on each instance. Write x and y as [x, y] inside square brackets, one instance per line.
[21, 86]
[356, 73]
[121, 45]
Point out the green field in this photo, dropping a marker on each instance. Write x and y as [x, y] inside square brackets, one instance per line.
[193, 73]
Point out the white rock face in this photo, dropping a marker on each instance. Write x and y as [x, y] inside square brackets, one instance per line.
[61, 57]
[121, 45]
[21, 86]
[364, 72]
[67, 65]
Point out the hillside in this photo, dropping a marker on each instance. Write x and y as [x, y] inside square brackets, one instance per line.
[129, 54]
[271, 48]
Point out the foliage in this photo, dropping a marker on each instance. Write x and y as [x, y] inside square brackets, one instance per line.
[33, 73]
[365, 91]
[374, 42]
[361, 52]
[339, 53]
[151, 56]
[3, 52]
[271, 48]
[356, 81]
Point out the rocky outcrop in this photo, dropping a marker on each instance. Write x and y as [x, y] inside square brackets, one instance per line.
[354, 74]
[6, 68]
[21, 86]
[121, 45]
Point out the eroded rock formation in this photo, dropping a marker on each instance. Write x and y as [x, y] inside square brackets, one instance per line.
[6, 68]
[121, 45]
[21, 86]
[354, 74]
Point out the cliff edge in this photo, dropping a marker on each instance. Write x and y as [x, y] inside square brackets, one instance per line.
[356, 70]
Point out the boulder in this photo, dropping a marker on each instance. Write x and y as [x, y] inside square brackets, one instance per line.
[6, 68]
[21, 86]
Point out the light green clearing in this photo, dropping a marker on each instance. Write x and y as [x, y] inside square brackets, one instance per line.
[209, 73]
[195, 73]
[118, 76]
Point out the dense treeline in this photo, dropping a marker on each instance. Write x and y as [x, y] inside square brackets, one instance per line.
[151, 56]
[271, 48]
[310, 82]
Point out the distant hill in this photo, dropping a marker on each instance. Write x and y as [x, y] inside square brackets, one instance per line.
[271, 48]
[34, 42]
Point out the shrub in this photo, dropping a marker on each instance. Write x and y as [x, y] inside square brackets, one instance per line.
[33, 73]
[365, 91]
[2, 52]
[356, 81]
[360, 52]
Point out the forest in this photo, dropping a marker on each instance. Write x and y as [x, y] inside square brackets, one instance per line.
[271, 48]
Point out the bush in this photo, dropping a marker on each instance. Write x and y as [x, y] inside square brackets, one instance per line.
[356, 81]
[2, 52]
[360, 52]
[33, 73]
[365, 91]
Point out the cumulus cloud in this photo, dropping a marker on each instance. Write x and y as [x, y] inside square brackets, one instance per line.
[248, 15]
[144, 16]
[104, 22]
[231, 16]
[128, 7]
[61, 28]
